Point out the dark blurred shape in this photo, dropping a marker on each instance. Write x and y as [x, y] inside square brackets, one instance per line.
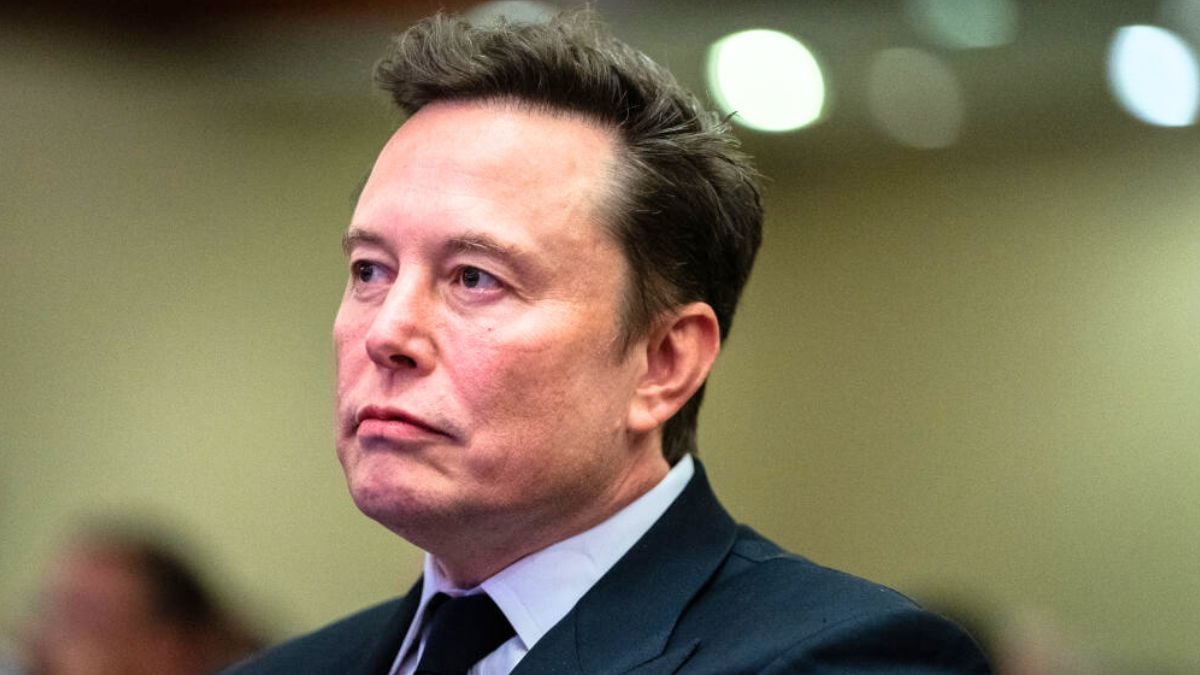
[141, 19]
[119, 602]
[171, 25]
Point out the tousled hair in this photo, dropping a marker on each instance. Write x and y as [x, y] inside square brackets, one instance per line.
[686, 207]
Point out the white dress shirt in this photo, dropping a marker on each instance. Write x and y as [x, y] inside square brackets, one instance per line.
[538, 590]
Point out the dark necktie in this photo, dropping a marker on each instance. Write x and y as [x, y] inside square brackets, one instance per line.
[462, 631]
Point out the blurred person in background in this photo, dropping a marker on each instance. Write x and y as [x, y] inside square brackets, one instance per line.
[117, 602]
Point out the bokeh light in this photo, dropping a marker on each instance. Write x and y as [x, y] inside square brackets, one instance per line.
[1154, 75]
[915, 98]
[965, 24]
[769, 79]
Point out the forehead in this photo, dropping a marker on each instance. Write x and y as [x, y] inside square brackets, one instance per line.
[499, 147]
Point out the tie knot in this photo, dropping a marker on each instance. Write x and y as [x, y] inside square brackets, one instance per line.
[462, 631]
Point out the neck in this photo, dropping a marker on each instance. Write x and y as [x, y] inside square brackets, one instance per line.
[468, 555]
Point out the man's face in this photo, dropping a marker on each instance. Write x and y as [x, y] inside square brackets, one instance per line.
[480, 388]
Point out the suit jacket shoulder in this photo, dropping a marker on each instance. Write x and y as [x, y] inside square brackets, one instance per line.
[767, 610]
[701, 594]
[365, 642]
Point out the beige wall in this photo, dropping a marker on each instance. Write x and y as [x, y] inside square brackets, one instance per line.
[958, 375]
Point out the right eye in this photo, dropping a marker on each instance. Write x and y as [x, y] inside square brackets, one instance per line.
[365, 271]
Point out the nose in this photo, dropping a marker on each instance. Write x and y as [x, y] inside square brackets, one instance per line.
[400, 335]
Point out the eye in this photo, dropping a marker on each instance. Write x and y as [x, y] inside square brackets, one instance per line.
[365, 271]
[476, 279]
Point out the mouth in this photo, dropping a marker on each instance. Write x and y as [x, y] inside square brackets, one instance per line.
[394, 424]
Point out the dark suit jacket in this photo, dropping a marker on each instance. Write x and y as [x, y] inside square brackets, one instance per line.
[697, 594]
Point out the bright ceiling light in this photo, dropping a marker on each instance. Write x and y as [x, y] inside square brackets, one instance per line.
[769, 79]
[1154, 75]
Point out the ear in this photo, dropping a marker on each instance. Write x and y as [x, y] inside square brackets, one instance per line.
[680, 352]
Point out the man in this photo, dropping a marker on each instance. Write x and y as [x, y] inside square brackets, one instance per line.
[543, 263]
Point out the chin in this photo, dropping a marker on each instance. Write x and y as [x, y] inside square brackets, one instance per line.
[398, 507]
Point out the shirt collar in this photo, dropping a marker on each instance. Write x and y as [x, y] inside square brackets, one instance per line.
[537, 591]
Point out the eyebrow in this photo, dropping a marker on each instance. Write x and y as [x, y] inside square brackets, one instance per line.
[482, 243]
[467, 243]
[520, 260]
[360, 237]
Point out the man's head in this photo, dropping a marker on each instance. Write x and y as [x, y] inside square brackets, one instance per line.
[683, 202]
[118, 603]
[542, 265]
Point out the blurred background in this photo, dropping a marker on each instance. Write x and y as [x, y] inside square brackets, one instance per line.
[967, 364]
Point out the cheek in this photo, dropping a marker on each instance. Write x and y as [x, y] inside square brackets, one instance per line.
[349, 348]
[498, 379]
[347, 368]
[525, 390]
[511, 396]
[347, 324]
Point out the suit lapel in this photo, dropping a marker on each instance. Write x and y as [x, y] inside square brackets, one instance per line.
[378, 657]
[626, 619]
